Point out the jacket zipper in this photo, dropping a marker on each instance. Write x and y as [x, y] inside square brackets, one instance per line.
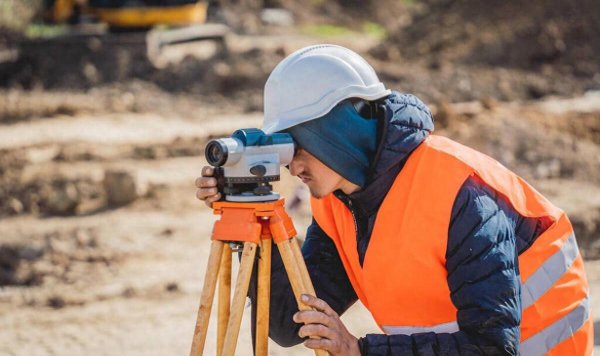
[348, 203]
[353, 218]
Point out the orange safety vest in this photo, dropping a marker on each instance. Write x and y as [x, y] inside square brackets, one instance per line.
[403, 280]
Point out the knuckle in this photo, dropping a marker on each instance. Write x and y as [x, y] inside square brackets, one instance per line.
[322, 329]
[305, 315]
[323, 319]
[318, 317]
[207, 171]
[211, 199]
[208, 182]
[307, 330]
[301, 316]
[321, 304]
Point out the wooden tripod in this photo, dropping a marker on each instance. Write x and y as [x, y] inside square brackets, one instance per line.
[254, 224]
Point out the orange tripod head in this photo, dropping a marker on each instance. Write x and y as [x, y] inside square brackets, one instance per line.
[253, 221]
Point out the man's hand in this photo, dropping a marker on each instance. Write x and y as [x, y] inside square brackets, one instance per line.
[207, 187]
[326, 324]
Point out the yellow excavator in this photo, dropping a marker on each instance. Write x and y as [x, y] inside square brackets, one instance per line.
[160, 22]
[129, 14]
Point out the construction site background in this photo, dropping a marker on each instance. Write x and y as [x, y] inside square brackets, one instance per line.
[103, 245]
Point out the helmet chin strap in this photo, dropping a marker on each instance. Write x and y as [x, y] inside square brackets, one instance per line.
[367, 109]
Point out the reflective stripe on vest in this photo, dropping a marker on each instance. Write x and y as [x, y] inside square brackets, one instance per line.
[450, 327]
[564, 328]
[403, 280]
[549, 272]
[538, 284]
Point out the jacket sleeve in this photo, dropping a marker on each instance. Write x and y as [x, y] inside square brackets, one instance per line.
[483, 276]
[329, 279]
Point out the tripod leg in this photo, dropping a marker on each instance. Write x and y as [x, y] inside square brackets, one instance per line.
[306, 282]
[263, 297]
[206, 300]
[239, 298]
[298, 275]
[291, 267]
[224, 297]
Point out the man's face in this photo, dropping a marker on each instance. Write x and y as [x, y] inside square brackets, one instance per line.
[320, 179]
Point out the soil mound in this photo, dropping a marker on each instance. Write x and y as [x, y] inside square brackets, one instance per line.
[73, 62]
[53, 257]
[520, 34]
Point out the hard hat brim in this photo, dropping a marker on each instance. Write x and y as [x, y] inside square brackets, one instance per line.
[317, 110]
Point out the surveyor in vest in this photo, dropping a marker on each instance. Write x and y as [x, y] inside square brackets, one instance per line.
[451, 252]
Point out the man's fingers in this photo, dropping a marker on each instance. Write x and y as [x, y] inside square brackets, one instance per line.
[205, 182]
[323, 344]
[210, 200]
[207, 187]
[312, 317]
[206, 177]
[213, 199]
[318, 304]
[205, 193]
[316, 330]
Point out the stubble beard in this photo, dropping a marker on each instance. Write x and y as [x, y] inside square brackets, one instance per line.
[315, 193]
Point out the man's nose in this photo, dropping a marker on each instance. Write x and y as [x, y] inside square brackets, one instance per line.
[294, 167]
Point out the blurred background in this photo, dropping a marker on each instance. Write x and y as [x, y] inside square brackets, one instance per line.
[106, 105]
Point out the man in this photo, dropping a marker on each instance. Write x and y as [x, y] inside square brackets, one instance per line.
[450, 252]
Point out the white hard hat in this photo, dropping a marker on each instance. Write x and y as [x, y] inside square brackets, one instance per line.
[311, 81]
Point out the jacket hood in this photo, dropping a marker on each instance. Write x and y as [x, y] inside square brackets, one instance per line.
[405, 122]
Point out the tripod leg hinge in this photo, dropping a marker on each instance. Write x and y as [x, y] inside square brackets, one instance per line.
[281, 225]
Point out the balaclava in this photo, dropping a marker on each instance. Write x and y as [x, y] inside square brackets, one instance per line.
[342, 139]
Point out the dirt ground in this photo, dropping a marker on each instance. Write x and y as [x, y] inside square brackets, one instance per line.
[126, 280]
[111, 280]
[103, 246]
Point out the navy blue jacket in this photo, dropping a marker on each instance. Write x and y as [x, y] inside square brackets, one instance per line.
[485, 237]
